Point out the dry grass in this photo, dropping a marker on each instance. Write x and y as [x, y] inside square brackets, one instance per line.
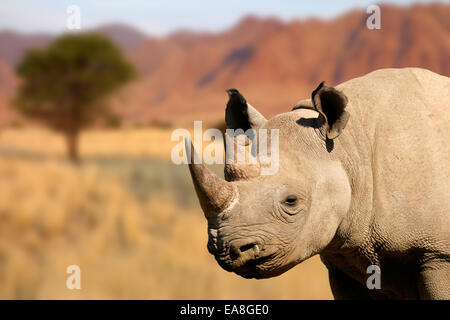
[126, 216]
[134, 143]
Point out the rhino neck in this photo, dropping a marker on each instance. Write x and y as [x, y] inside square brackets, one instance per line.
[354, 150]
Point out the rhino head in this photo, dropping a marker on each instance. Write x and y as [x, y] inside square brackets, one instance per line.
[260, 226]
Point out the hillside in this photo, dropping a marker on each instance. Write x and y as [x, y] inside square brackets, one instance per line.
[8, 83]
[124, 36]
[13, 44]
[273, 63]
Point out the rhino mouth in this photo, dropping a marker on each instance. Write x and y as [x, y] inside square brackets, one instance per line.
[253, 267]
[256, 268]
[249, 259]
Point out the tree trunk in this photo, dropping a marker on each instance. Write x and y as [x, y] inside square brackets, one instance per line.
[72, 146]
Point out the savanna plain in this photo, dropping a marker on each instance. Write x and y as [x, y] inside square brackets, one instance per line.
[126, 215]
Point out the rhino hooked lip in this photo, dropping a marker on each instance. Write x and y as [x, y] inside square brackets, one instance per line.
[252, 268]
[244, 258]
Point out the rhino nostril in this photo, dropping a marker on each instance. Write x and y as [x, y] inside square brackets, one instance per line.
[246, 247]
[236, 251]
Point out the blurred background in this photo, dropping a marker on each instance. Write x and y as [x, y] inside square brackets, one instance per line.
[86, 117]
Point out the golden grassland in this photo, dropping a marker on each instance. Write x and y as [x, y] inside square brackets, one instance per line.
[126, 215]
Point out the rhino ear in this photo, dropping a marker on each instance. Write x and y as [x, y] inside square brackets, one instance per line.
[330, 103]
[240, 115]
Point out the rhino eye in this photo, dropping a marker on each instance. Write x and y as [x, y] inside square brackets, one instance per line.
[291, 200]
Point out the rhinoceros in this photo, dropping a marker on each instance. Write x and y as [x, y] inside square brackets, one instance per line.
[363, 180]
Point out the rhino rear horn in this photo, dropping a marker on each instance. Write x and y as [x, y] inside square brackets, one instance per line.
[233, 170]
[243, 119]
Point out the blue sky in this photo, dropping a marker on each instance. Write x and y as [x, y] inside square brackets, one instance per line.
[159, 17]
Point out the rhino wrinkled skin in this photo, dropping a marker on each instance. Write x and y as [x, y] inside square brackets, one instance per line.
[363, 180]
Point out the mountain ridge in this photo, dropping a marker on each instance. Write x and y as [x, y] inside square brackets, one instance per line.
[275, 63]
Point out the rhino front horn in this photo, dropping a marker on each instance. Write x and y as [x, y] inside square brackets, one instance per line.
[215, 194]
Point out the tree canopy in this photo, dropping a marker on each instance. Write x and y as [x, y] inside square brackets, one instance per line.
[64, 84]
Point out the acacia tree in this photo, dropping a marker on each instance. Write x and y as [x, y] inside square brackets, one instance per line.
[64, 85]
